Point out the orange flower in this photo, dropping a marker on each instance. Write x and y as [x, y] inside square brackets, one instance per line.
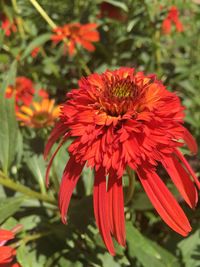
[39, 114]
[75, 33]
[172, 17]
[7, 26]
[125, 118]
[22, 90]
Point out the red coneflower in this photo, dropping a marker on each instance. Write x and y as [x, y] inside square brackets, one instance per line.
[76, 33]
[117, 119]
[7, 26]
[7, 253]
[23, 91]
[39, 114]
[172, 17]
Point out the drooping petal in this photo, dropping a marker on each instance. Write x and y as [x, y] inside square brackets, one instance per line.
[181, 180]
[58, 131]
[6, 235]
[116, 208]
[187, 165]
[6, 254]
[100, 202]
[53, 156]
[70, 178]
[164, 202]
[190, 141]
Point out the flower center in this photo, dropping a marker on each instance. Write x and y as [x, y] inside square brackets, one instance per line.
[41, 117]
[122, 89]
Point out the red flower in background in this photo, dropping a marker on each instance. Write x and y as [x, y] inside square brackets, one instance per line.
[172, 17]
[7, 26]
[117, 119]
[75, 33]
[35, 52]
[7, 253]
[23, 91]
[111, 11]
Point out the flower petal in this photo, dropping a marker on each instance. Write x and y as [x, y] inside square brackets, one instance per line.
[164, 202]
[57, 131]
[190, 141]
[69, 180]
[100, 203]
[181, 180]
[65, 137]
[116, 208]
[187, 165]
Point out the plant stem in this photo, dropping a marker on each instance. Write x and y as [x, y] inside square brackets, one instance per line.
[9, 183]
[131, 186]
[43, 14]
[29, 238]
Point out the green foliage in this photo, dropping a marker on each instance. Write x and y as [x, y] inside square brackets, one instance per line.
[135, 41]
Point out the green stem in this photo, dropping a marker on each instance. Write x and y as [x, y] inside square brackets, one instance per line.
[9, 183]
[43, 14]
[131, 186]
[29, 238]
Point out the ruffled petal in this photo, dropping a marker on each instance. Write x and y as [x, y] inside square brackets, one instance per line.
[164, 202]
[116, 208]
[181, 180]
[100, 203]
[69, 180]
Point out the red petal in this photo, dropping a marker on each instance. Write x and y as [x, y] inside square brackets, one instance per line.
[6, 254]
[187, 165]
[190, 141]
[91, 36]
[116, 208]
[100, 203]
[181, 180]
[69, 180]
[53, 156]
[6, 235]
[57, 131]
[87, 45]
[164, 202]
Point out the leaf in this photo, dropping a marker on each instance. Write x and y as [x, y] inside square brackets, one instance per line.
[37, 167]
[9, 127]
[8, 206]
[40, 40]
[147, 252]
[190, 250]
[118, 4]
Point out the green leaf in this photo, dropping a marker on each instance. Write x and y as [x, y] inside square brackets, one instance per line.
[9, 127]
[147, 252]
[119, 4]
[40, 40]
[8, 206]
[190, 250]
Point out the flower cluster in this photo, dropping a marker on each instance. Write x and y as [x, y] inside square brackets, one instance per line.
[76, 33]
[172, 17]
[125, 118]
[7, 253]
[35, 114]
[7, 26]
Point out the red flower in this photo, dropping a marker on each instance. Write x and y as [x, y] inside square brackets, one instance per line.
[35, 52]
[75, 33]
[117, 119]
[7, 254]
[22, 90]
[7, 26]
[111, 11]
[172, 17]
